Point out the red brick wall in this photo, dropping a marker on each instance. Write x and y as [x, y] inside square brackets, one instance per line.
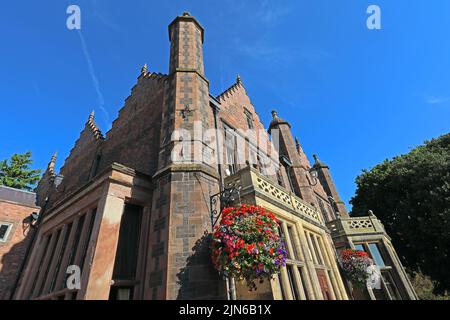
[132, 141]
[12, 251]
[234, 101]
[134, 138]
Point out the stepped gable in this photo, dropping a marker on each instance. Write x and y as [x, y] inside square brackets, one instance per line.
[133, 139]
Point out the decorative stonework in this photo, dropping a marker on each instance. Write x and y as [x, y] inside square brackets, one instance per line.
[51, 166]
[249, 179]
[94, 128]
[235, 87]
[360, 224]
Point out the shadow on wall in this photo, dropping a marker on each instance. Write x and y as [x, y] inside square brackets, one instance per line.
[12, 261]
[198, 279]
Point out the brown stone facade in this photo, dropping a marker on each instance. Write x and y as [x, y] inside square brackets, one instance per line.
[131, 209]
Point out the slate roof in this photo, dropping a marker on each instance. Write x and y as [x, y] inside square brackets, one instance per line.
[19, 196]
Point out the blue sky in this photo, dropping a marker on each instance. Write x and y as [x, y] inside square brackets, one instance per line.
[354, 96]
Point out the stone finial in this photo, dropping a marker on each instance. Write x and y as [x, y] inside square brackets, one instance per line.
[274, 114]
[144, 69]
[51, 165]
[371, 214]
[238, 79]
[297, 145]
[186, 14]
[53, 159]
[93, 126]
[318, 163]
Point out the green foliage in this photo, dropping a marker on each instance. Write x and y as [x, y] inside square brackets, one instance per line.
[411, 196]
[16, 172]
[424, 287]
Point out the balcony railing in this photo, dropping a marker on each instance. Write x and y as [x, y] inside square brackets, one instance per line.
[251, 180]
[357, 225]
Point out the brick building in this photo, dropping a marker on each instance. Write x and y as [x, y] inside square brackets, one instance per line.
[130, 208]
[16, 218]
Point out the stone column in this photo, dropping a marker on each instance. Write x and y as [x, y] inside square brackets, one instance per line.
[100, 258]
[398, 267]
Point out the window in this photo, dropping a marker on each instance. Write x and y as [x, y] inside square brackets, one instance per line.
[292, 282]
[52, 249]
[301, 271]
[72, 250]
[127, 248]
[230, 159]
[249, 118]
[316, 250]
[292, 235]
[88, 237]
[376, 255]
[253, 158]
[230, 153]
[95, 165]
[127, 254]
[5, 229]
[46, 242]
[390, 285]
[280, 178]
[373, 250]
[59, 258]
[388, 290]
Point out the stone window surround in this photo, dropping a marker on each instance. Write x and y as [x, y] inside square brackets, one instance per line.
[387, 268]
[97, 194]
[259, 152]
[249, 117]
[307, 280]
[8, 232]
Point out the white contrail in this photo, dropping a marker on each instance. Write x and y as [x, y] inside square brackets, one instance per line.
[95, 83]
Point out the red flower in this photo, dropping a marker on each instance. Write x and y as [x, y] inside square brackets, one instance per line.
[241, 231]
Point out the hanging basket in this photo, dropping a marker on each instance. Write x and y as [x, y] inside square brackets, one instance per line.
[246, 245]
[356, 265]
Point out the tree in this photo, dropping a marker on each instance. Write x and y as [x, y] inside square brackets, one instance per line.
[411, 196]
[16, 172]
[424, 287]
